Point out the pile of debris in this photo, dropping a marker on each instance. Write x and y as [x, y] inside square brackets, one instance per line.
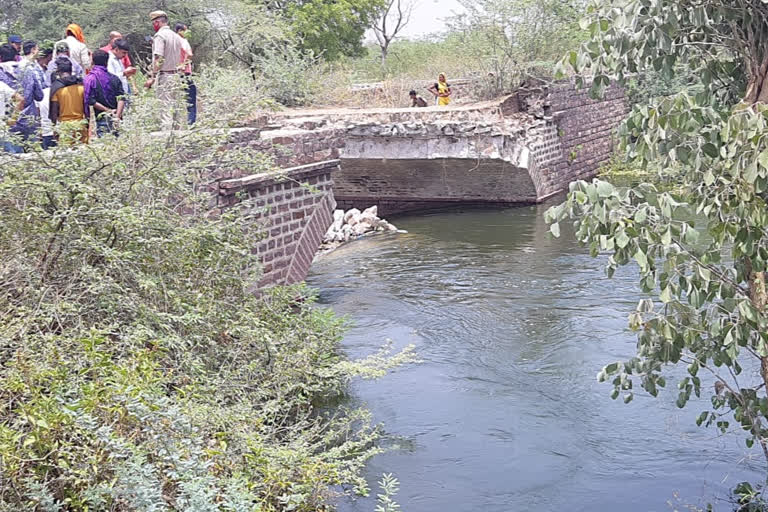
[354, 224]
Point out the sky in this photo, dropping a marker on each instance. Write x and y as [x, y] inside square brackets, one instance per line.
[428, 17]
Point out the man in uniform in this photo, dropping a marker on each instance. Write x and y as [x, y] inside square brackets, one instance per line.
[166, 64]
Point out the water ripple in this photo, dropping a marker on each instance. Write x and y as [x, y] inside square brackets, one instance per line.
[505, 413]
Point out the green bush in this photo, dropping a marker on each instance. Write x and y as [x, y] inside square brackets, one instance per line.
[137, 369]
[285, 74]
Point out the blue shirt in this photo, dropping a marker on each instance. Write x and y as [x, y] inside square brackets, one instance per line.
[29, 86]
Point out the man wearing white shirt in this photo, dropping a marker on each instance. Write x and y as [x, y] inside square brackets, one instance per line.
[41, 66]
[115, 66]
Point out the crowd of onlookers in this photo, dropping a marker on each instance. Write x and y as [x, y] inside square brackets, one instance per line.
[65, 92]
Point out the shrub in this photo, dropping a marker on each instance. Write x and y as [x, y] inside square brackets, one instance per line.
[137, 371]
[286, 74]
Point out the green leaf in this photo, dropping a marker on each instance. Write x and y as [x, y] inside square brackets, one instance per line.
[555, 230]
[729, 338]
[641, 259]
[750, 173]
[621, 239]
[762, 159]
[710, 150]
[666, 295]
[604, 189]
[748, 311]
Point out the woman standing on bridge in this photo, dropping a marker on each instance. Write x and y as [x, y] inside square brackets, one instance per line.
[441, 90]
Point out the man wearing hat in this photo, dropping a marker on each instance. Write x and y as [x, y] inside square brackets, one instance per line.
[166, 64]
[61, 49]
[16, 42]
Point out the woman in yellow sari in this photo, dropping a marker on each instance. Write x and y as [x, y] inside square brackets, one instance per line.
[441, 90]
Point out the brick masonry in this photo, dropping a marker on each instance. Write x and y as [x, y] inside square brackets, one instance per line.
[293, 209]
[584, 133]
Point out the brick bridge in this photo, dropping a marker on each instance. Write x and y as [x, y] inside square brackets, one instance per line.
[521, 150]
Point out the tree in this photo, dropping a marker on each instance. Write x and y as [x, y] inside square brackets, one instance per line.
[701, 247]
[47, 19]
[508, 37]
[328, 28]
[394, 17]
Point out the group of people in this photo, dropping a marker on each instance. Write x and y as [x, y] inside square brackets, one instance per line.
[68, 91]
[440, 90]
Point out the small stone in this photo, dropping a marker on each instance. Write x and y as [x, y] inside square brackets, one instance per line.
[346, 233]
[373, 210]
[350, 214]
[361, 228]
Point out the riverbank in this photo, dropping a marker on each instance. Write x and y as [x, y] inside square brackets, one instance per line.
[138, 370]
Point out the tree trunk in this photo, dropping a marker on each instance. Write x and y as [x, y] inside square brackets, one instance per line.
[757, 89]
[759, 298]
[384, 53]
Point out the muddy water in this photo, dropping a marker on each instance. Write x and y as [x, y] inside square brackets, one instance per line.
[504, 413]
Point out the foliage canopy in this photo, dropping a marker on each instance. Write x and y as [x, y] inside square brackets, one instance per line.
[508, 37]
[701, 248]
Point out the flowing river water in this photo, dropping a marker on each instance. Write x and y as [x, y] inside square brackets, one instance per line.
[504, 412]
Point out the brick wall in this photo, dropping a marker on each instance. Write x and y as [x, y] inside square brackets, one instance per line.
[585, 130]
[293, 208]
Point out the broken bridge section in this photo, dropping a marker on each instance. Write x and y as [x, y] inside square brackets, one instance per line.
[524, 150]
[521, 150]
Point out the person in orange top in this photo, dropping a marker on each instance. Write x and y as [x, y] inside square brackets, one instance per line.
[77, 48]
[68, 100]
